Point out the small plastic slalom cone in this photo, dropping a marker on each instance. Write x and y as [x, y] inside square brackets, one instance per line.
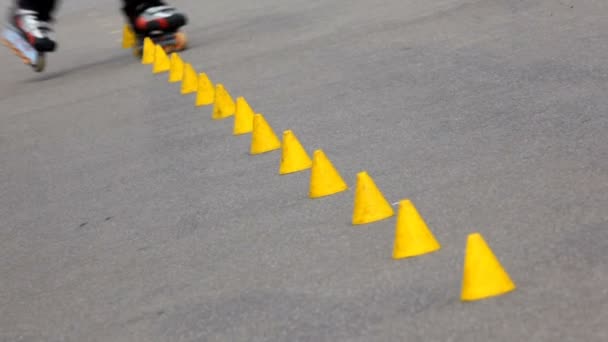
[161, 60]
[412, 236]
[243, 117]
[483, 275]
[294, 157]
[370, 205]
[324, 178]
[148, 51]
[206, 93]
[223, 104]
[190, 80]
[128, 37]
[263, 138]
[176, 71]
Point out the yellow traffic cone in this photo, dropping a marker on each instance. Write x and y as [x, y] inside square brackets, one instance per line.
[263, 138]
[176, 71]
[324, 178]
[190, 80]
[243, 117]
[161, 61]
[412, 236]
[294, 157]
[148, 52]
[483, 275]
[223, 105]
[370, 204]
[128, 37]
[206, 93]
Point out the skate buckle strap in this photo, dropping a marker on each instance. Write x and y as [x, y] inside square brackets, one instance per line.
[26, 13]
[164, 11]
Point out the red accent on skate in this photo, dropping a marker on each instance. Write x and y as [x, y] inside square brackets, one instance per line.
[163, 23]
[141, 23]
[30, 38]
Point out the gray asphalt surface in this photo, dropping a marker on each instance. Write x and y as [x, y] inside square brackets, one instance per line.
[127, 214]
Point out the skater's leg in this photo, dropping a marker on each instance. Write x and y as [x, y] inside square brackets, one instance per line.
[152, 15]
[32, 18]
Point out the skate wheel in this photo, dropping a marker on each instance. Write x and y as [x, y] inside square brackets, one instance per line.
[41, 64]
[179, 45]
[181, 41]
[137, 52]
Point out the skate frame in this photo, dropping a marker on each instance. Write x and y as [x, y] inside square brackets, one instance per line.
[15, 41]
[169, 41]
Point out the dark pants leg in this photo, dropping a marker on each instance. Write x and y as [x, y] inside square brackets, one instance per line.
[44, 8]
[130, 6]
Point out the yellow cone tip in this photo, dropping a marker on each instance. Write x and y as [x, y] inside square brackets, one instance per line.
[224, 105]
[206, 92]
[148, 51]
[412, 236]
[243, 117]
[370, 205]
[161, 60]
[128, 37]
[263, 138]
[176, 70]
[294, 157]
[190, 80]
[325, 180]
[483, 275]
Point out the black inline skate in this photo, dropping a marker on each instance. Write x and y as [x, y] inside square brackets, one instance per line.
[161, 23]
[28, 37]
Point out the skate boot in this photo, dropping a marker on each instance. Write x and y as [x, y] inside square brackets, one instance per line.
[29, 38]
[161, 23]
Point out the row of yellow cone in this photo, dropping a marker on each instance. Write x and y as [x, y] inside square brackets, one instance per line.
[483, 275]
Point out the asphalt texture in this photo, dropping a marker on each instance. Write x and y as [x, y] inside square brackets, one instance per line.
[127, 214]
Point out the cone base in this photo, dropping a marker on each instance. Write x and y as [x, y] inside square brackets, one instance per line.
[360, 222]
[290, 171]
[327, 194]
[256, 152]
[220, 117]
[415, 253]
[160, 70]
[203, 103]
[240, 133]
[471, 298]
